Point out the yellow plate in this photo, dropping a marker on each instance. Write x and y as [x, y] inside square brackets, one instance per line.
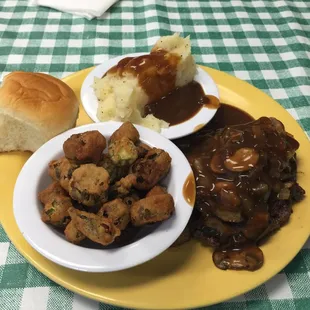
[183, 277]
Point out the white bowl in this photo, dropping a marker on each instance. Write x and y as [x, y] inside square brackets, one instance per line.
[203, 116]
[50, 243]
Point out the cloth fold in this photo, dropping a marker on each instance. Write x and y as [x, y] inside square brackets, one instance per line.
[86, 8]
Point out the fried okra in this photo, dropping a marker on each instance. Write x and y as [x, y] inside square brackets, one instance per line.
[72, 234]
[61, 170]
[142, 149]
[123, 152]
[55, 211]
[96, 228]
[53, 190]
[85, 147]
[115, 172]
[66, 169]
[152, 209]
[117, 212]
[127, 130]
[156, 190]
[123, 187]
[95, 195]
[54, 168]
[56, 204]
[89, 185]
[151, 169]
[131, 199]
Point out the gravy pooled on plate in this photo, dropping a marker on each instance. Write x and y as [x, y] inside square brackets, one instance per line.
[181, 104]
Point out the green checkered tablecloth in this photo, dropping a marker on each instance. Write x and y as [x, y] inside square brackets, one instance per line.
[266, 43]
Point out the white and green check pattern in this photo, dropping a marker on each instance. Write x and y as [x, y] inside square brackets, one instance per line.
[266, 43]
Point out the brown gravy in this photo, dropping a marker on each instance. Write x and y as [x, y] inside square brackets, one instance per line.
[156, 72]
[189, 189]
[200, 154]
[243, 174]
[181, 104]
[228, 115]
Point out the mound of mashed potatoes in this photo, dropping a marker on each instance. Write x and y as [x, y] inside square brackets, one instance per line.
[127, 87]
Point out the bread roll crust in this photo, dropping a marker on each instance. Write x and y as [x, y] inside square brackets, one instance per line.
[36, 100]
[41, 99]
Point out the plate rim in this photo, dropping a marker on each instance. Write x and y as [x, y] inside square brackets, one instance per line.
[48, 270]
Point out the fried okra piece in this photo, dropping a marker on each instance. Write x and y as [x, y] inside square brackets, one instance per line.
[127, 130]
[123, 187]
[56, 204]
[115, 172]
[123, 152]
[85, 147]
[142, 149]
[72, 234]
[156, 190]
[53, 190]
[55, 211]
[66, 169]
[89, 185]
[117, 212]
[61, 170]
[152, 209]
[131, 199]
[54, 168]
[96, 228]
[151, 169]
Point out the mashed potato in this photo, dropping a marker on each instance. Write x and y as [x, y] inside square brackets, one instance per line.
[121, 96]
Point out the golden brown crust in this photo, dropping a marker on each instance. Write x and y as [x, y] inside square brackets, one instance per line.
[151, 169]
[142, 149]
[89, 185]
[55, 211]
[96, 228]
[66, 169]
[86, 147]
[152, 209]
[127, 130]
[72, 234]
[50, 192]
[156, 190]
[117, 212]
[41, 100]
[54, 168]
[123, 187]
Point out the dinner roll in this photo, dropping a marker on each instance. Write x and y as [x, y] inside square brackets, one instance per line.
[34, 107]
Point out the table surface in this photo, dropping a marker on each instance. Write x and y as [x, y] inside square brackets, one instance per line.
[265, 43]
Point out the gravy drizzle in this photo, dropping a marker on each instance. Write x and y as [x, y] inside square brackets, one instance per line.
[189, 189]
[181, 104]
